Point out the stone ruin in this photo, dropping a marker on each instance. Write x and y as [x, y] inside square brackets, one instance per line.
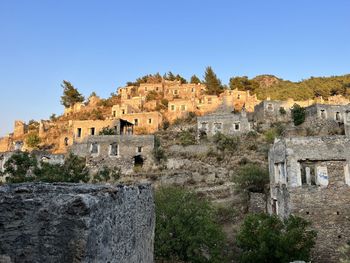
[309, 177]
[76, 223]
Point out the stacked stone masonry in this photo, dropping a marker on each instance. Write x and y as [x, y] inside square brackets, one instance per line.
[76, 223]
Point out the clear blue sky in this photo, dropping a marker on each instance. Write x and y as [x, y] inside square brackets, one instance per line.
[100, 45]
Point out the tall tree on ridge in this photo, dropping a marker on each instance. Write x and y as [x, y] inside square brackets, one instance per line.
[212, 82]
[195, 80]
[70, 94]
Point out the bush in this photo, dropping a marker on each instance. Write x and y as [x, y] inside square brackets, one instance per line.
[226, 143]
[33, 140]
[252, 177]
[108, 131]
[187, 138]
[166, 125]
[264, 238]
[186, 228]
[158, 151]
[270, 135]
[152, 95]
[282, 111]
[20, 167]
[298, 114]
[106, 175]
[23, 167]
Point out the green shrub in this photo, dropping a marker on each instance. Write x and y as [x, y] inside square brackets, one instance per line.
[264, 238]
[152, 95]
[251, 177]
[282, 111]
[23, 167]
[20, 167]
[270, 135]
[158, 151]
[108, 131]
[187, 138]
[33, 140]
[186, 228]
[106, 175]
[298, 114]
[226, 143]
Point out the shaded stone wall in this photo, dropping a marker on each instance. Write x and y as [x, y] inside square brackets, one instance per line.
[76, 223]
[324, 198]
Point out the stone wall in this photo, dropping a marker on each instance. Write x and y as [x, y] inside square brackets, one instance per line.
[128, 147]
[309, 177]
[76, 223]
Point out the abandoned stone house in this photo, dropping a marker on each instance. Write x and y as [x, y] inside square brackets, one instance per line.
[338, 113]
[227, 123]
[120, 152]
[309, 177]
[83, 129]
[269, 111]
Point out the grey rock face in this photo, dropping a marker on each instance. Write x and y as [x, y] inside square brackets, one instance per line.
[76, 223]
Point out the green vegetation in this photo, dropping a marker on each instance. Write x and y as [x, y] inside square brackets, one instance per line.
[306, 89]
[226, 143]
[70, 95]
[158, 151]
[23, 167]
[186, 229]
[212, 82]
[264, 238]
[152, 95]
[106, 175]
[252, 177]
[33, 140]
[108, 131]
[243, 83]
[195, 80]
[298, 114]
[187, 138]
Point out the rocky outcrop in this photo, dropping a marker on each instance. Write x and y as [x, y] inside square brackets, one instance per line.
[76, 223]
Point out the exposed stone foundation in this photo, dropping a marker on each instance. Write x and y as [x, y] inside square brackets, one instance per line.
[76, 223]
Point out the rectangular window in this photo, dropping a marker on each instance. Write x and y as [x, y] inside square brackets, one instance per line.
[92, 131]
[114, 113]
[183, 107]
[136, 122]
[209, 100]
[236, 126]
[149, 121]
[172, 107]
[139, 149]
[323, 114]
[123, 111]
[175, 92]
[337, 116]
[145, 88]
[113, 149]
[270, 107]
[79, 132]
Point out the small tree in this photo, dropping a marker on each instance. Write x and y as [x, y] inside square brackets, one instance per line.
[264, 238]
[212, 82]
[108, 131]
[158, 151]
[195, 80]
[33, 140]
[20, 168]
[70, 95]
[298, 114]
[226, 143]
[186, 229]
[251, 177]
[187, 138]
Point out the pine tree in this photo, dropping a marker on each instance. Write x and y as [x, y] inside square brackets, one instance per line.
[70, 94]
[195, 80]
[170, 76]
[212, 82]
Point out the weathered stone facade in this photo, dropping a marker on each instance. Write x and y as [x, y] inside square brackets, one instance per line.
[309, 177]
[120, 152]
[223, 122]
[76, 223]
